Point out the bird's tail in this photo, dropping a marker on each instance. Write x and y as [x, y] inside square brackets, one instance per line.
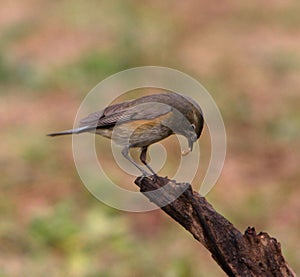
[72, 131]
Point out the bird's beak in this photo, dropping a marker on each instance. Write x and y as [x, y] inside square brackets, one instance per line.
[185, 152]
[191, 144]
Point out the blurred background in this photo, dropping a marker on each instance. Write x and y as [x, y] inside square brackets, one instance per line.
[52, 53]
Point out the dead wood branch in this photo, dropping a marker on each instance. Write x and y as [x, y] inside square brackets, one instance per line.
[250, 254]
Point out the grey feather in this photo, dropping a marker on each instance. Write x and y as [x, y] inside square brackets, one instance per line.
[113, 115]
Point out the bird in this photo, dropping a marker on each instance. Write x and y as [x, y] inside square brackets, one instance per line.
[140, 122]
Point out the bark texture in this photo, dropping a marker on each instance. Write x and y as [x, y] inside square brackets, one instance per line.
[248, 254]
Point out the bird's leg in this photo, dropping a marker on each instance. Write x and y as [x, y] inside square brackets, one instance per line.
[143, 157]
[125, 153]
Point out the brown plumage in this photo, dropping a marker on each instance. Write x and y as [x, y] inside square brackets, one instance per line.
[144, 121]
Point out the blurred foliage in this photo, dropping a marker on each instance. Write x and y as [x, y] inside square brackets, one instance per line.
[53, 52]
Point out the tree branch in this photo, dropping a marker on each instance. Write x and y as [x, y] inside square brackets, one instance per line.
[250, 254]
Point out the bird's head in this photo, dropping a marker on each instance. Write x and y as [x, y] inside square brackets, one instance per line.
[185, 117]
[191, 121]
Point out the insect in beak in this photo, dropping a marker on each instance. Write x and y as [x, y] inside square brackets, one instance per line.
[185, 152]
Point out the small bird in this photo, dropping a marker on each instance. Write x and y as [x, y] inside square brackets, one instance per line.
[143, 121]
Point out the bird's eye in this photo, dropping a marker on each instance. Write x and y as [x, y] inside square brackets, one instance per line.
[194, 126]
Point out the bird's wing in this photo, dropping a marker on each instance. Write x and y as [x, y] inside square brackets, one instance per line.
[91, 120]
[114, 115]
[146, 111]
